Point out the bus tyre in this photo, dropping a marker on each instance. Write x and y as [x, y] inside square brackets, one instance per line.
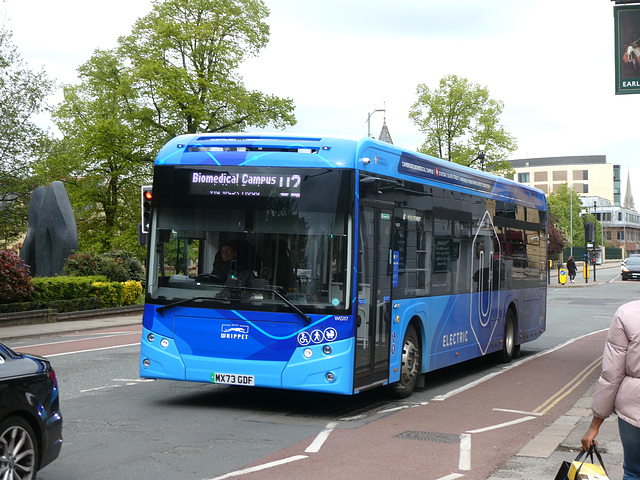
[411, 361]
[509, 347]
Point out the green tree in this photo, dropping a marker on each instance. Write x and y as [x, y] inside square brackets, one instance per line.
[184, 58]
[105, 154]
[175, 73]
[22, 96]
[566, 206]
[458, 118]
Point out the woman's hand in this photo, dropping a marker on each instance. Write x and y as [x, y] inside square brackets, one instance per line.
[592, 432]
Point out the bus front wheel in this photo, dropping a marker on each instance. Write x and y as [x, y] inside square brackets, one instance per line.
[411, 362]
[509, 347]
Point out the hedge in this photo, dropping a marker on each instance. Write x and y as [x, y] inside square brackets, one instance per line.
[48, 289]
[70, 294]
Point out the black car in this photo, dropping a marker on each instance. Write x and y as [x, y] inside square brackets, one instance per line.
[631, 268]
[30, 418]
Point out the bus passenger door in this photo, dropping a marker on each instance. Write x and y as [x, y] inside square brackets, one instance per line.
[375, 272]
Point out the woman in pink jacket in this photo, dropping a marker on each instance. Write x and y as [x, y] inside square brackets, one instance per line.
[618, 388]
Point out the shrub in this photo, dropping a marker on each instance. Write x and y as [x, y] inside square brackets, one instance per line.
[14, 278]
[109, 292]
[48, 289]
[117, 266]
[84, 264]
[131, 293]
[133, 267]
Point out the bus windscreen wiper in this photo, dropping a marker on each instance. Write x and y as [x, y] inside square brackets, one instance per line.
[304, 316]
[185, 301]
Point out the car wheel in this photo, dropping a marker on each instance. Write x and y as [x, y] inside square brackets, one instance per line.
[411, 362]
[18, 449]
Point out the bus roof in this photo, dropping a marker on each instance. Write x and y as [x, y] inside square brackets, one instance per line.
[318, 151]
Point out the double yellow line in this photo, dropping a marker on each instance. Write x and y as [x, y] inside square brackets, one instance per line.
[568, 388]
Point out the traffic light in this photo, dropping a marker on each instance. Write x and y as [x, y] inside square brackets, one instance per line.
[589, 232]
[146, 196]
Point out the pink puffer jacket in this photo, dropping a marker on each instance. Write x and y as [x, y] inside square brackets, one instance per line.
[619, 384]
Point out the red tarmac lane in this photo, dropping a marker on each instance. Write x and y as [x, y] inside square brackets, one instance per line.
[86, 341]
[484, 425]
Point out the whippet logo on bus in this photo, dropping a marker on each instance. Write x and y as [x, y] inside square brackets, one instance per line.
[485, 305]
[235, 332]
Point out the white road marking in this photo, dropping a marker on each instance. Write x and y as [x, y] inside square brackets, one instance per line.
[99, 388]
[520, 412]
[92, 350]
[464, 388]
[257, 468]
[88, 337]
[321, 438]
[502, 425]
[465, 452]
[453, 476]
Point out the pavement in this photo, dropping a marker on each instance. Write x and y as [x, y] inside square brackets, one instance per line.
[580, 281]
[542, 456]
[539, 459]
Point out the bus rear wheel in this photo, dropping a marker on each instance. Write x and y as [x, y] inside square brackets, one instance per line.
[509, 347]
[411, 361]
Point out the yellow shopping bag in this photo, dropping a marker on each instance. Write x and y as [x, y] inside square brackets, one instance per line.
[581, 470]
[586, 471]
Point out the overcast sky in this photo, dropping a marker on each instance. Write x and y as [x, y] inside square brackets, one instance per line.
[551, 62]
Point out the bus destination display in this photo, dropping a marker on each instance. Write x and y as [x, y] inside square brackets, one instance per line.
[259, 184]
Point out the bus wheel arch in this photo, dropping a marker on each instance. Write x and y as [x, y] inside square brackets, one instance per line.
[510, 345]
[410, 362]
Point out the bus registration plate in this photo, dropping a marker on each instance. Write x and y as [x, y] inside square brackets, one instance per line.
[233, 379]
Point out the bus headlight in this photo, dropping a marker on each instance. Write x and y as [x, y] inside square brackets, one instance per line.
[327, 349]
[164, 343]
[330, 377]
[146, 363]
[151, 337]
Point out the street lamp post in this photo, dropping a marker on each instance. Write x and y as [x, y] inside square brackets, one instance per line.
[369, 120]
[571, 216]
[595, 238]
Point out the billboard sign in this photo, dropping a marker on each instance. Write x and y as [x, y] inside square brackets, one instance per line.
[627, 48]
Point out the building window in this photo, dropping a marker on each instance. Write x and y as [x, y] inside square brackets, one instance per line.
[540, 176]
[581, 174]
[560, 176]
[621, 235]
[523, 177]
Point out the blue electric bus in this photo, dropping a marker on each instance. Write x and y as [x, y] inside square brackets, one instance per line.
[350, 264]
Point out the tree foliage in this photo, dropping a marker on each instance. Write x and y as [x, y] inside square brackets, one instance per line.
[457, 118]
[556, 238]
[175, 73]
[22, 96]
[565, 205]
[105, 154]
[184, 57]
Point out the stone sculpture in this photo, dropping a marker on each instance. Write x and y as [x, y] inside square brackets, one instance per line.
[52, 234]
